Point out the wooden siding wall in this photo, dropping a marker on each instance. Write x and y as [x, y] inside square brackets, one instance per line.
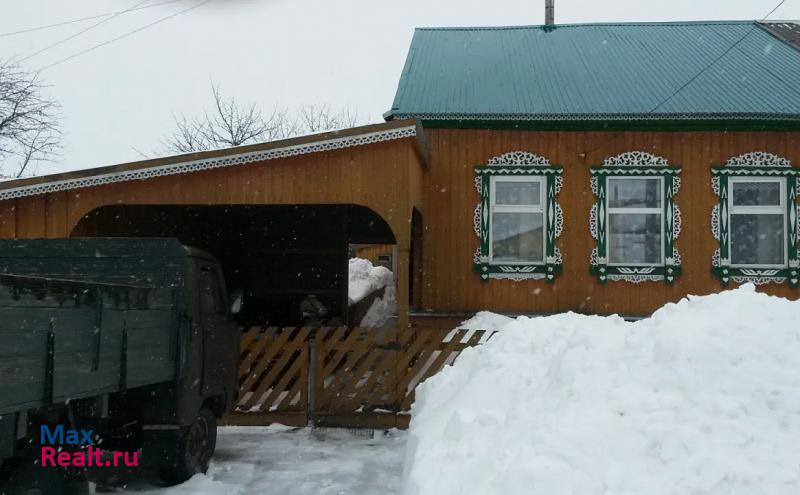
[450, 199]
[371, 253]
[378, 176]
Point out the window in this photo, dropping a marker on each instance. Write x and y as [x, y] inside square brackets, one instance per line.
[635, 219]
[756, 220]
[518, 219]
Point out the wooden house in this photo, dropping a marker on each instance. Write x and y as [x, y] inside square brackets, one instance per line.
[601, 168]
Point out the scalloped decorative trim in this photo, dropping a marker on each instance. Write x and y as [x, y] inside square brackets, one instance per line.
[715, 222]
[511, 164]
[519, 158]
[476, 220]
[636, 159]
[635, 279]
[633, 163]
[754, 164]
[758, 159]
[209, 163]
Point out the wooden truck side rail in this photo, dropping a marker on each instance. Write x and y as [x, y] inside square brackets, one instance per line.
[66, 339]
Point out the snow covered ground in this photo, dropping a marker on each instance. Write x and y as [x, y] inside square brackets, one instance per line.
[295, 461]
[703, 397]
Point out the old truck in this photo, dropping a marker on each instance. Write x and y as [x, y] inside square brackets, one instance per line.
[128, 344]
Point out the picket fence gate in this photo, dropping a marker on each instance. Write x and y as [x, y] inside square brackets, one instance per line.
[349, 377]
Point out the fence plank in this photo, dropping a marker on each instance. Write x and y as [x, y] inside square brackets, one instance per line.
[263, 353]
[277, 363]
[273, 376]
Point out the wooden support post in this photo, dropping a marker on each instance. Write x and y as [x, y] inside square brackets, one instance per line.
[403, 260]
[312, 377]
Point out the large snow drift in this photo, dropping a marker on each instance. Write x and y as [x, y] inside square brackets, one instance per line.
[703, 397]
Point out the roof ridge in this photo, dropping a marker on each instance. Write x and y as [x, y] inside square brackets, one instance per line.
[593, 24]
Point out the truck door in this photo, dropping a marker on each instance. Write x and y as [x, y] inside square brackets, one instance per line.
[217, 330]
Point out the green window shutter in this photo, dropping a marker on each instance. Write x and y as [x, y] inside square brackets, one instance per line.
[635, 164]
[519, 164]
[755, 164]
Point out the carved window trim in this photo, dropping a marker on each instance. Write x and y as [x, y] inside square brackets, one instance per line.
[636, 164]
[755, 165]
[519, 164]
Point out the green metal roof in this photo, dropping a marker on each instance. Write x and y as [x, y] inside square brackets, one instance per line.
[724, 70]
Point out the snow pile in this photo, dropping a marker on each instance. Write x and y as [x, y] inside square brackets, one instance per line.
[486, 320]
[703, 397]
[366, 278]
[382, 309]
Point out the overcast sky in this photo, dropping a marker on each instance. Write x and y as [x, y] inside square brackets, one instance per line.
[121, 97]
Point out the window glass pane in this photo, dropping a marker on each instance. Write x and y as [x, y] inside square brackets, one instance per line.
[634, 238]
[634, 193]
[517, 193]
[756, 193]
[518, 237]
[757, 239]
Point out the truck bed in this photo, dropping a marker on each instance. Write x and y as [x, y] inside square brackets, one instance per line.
[64, 339]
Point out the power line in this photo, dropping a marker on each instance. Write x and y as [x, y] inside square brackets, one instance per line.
[714, 62]
[71, 37]
[83, 19]
[129, 33]
[622, 133]
[773, 11]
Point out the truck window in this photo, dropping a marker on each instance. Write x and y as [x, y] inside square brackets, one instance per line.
[210, 294]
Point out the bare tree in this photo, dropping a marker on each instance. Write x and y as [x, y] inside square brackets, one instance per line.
[231, 123]
[29, 122]
[228, 124]
[319, 118]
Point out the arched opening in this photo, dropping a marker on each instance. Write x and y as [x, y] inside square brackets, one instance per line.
[277, 254]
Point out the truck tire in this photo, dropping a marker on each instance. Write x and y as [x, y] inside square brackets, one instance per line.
[194, 448]
[25, 477]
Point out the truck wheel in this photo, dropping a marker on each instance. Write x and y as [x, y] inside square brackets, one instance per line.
[194, 450]
[24, 477]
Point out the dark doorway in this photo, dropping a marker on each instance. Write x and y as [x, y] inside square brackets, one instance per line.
[277, 254]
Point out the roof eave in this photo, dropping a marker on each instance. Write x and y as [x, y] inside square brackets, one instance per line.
[171, 165]
[599, 117]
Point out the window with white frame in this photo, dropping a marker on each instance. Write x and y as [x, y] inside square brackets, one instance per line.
[757, 220]
[635, 219]
[518, 219]
[757, 208]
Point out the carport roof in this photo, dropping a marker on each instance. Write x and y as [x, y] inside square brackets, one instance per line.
[205, 160]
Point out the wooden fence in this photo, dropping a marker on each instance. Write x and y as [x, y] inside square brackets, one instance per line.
[360, 377]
